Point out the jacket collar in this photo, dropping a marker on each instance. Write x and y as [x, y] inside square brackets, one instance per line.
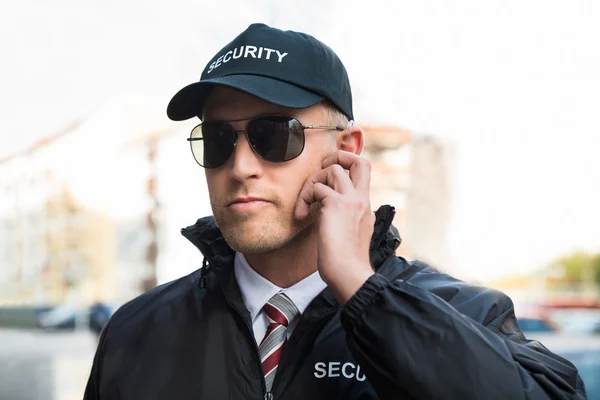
[207, 237]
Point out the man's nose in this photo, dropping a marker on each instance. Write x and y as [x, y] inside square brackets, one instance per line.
[244, 162]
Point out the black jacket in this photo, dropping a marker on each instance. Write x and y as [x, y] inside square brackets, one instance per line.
[427, 336]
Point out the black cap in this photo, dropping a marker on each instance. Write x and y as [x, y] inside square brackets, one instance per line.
[286, 68]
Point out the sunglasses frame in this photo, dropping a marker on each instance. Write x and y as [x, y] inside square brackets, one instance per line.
[235, 133]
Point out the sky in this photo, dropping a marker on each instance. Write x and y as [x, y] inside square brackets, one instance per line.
[513, 85]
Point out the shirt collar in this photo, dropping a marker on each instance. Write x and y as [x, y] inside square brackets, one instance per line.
[257, 290]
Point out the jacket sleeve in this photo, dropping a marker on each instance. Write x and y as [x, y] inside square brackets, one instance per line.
[410, 341]
[92, 390]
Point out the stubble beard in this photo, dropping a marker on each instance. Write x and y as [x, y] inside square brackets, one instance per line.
[273, 233]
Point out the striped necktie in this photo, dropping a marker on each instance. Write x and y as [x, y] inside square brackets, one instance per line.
[281, 311]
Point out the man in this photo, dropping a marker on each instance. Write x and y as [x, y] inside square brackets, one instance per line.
[300, 295]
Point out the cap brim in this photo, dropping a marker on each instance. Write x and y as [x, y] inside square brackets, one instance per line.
[189, 101]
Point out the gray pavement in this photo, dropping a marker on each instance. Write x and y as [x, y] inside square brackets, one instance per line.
[36, 365]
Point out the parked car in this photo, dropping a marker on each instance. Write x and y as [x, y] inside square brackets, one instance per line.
[536, 325]
[578, 321]
[100, 313]
[583, 326]
[67, 316]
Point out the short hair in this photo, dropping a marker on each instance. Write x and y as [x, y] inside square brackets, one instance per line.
[334, 116]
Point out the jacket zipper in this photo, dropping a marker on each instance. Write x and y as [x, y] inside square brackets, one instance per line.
[268, 395]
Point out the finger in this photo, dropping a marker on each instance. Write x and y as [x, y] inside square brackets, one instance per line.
[335, 177]
[359, 168]
[310, 194]
[322, 192]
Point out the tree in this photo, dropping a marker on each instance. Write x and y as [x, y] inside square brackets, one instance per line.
[580, 267]
[596, 267]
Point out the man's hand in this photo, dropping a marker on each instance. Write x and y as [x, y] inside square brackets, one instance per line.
[345, 221]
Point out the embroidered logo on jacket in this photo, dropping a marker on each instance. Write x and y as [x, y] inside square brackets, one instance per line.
[335, 369]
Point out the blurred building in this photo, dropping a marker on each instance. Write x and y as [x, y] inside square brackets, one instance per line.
[79, 209]
[412, 172]
[95, 212]
[51, 247]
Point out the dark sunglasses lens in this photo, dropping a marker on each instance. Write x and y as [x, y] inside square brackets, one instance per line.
[213, 144]
[276, 139]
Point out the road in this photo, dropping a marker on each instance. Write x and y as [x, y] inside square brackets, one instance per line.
[38, 365]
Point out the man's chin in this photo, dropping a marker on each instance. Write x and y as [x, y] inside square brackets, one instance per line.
[251, 224]
[261, 239]
[247, 245]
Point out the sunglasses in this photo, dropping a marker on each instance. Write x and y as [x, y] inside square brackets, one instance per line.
[272, 138]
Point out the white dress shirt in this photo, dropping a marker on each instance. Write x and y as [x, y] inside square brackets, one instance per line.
[257, 290]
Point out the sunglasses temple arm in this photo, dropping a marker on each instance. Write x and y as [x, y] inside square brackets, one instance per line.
[329, 127]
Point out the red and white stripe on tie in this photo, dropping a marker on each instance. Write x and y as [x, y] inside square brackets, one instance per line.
[281, 311]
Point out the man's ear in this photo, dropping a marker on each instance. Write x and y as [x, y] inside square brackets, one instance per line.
[352, 139]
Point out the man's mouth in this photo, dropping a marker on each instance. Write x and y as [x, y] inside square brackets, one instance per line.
[242, 204]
